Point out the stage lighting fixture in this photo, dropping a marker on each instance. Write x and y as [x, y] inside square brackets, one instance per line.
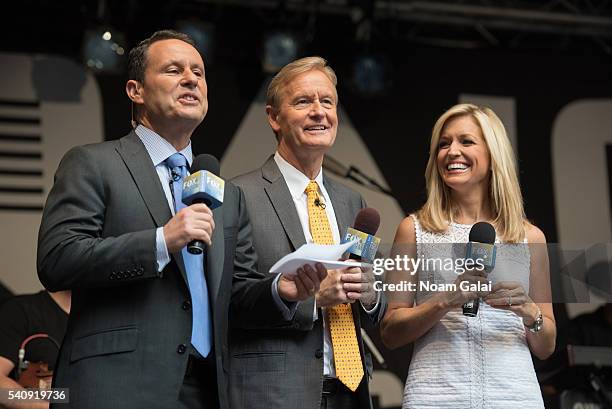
[103, 50]
[280, 48]
[369, 75]
[203, 34]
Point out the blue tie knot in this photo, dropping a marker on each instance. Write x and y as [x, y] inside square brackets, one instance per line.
[178, 165]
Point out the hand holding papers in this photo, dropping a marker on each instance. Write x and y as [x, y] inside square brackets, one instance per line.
[310, 254]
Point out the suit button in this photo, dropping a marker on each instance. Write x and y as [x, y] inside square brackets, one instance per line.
[181, 348]
[318, 353]
[187, 305]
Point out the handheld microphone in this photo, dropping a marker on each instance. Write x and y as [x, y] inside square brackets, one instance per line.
[203, 186]
[481, 246]
[364, 229]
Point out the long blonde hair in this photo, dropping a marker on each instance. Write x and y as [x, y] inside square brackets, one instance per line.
[505, 196]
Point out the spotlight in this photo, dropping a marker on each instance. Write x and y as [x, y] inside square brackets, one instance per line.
[203, 34]
[280, 48]
[103, 50]
[370, 75]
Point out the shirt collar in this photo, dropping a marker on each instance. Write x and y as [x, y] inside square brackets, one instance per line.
[296, 180]
[160, 149]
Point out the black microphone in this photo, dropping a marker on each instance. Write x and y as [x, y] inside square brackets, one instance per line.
[203, 186]
[481, 247]
[364, 229]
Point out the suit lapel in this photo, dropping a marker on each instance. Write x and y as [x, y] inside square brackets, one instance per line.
[282, 202]
[138, 161]
[341, 208]
[215, 256]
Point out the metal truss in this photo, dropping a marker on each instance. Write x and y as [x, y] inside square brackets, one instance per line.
[513, 22]
[467, 23]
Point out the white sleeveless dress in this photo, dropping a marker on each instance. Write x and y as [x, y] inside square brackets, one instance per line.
[472, 362]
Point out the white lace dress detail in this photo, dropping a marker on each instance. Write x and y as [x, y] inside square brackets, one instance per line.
[472, 362]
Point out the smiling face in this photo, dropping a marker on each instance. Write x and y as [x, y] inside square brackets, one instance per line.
[173, 93]
[306, 120]
[463, 157]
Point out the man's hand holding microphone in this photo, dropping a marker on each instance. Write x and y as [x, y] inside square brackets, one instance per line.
[333, 287]
[202, 192]
[354, 283]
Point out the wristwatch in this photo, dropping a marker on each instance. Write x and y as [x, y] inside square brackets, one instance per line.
[537, 324]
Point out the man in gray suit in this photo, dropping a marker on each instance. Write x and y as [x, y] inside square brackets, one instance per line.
[296, 366]
[149, 320]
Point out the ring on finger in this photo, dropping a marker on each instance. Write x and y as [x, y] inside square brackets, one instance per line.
[509, 301]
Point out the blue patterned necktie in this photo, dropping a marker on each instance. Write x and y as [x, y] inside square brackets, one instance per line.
[194, 266]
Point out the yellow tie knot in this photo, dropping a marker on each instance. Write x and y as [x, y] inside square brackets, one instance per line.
[312, 187]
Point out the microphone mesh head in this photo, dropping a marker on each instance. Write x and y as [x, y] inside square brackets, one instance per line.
[205, 162]
[482, 232]
[367, 221]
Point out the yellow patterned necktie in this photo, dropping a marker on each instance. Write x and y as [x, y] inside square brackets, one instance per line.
[349, 368]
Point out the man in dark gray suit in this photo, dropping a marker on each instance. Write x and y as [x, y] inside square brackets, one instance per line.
[296, 366]
[149, 321]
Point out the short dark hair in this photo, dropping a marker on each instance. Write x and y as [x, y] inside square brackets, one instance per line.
[137, 60]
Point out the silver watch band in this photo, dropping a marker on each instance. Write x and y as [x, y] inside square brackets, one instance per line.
[537, 324]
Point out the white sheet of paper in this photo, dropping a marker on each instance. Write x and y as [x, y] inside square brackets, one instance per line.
[311, 253]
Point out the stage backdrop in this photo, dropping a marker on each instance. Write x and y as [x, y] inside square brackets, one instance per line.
[557, 108]
[47, 105]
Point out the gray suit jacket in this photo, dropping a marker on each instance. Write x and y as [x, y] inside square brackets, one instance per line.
[282, 367]
[129, 330]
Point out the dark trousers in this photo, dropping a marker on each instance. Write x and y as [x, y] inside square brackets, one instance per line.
[337, 396]
[199, 390]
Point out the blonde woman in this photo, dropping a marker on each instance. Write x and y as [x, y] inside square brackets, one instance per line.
[482, 361]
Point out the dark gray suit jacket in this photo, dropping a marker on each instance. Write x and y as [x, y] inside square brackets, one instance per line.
[282, 368]
[129, 324]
